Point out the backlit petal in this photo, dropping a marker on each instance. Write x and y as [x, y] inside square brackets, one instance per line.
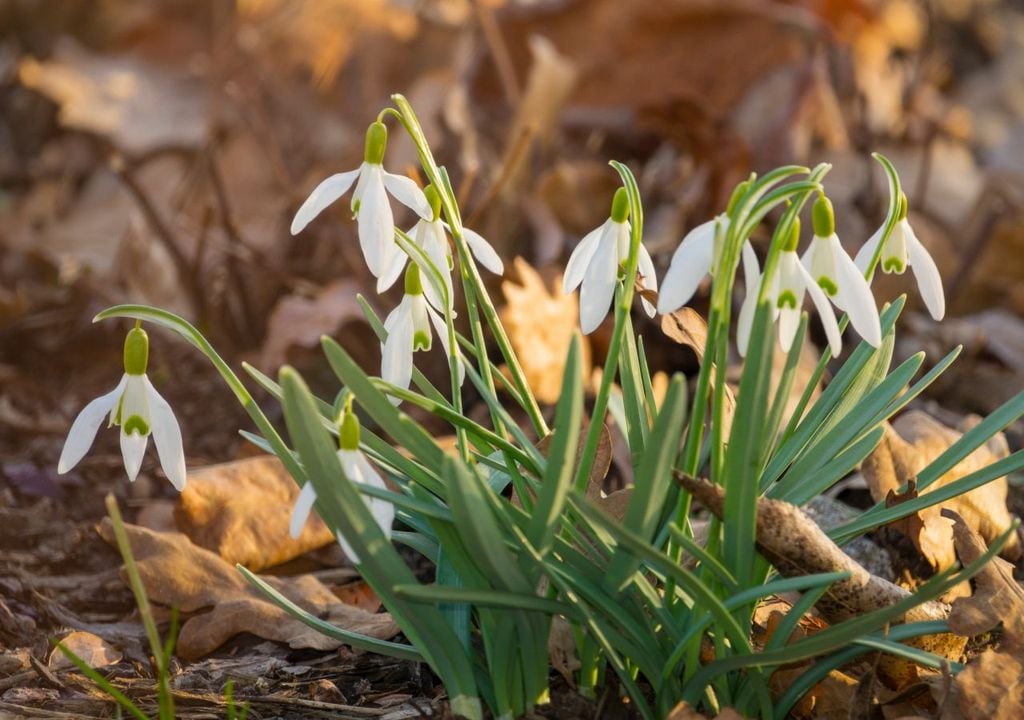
[407, 192]
[133, 447]
[599, 283]
[303, 506]
[376, 224]
[442, 335]
[855, 298]
[323, 195]
[825, 312]
[482, 250]
[83, 429]
[396, 352]
[690, 264]
[166, 436]
[929, 282]
[649, 280]
[576, 268]
[867, 251]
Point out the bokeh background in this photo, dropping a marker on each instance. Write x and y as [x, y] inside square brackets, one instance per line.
[156, 151]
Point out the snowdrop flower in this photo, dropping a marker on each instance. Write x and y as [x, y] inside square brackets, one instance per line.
[357, 469]
[595, 262]
[408, 328]
[369, 201]
[786, 293]
[429, 234]
[838, 276]
[903, 249]
[697, 257]
[139, 410]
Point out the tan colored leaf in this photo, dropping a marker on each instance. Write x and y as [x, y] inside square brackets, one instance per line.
[998, 597]
[176, 573]
[683, 711]
[909, 445]
[358, 594]
[300, 322]
[602, 457]
[686, 327]
[134, 104]
[541, 322]
[94, 650]
[562, 650]
[241, 511]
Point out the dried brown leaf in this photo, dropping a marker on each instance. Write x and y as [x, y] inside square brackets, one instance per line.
[683, 711]
[909, 445]
[94, 650]
[562, 650]
[541, 323]
[300, 322]
[686, 327]
[241, 511]
[177, 573]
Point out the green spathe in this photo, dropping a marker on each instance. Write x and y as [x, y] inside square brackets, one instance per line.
[620, 206]
[376, 143]
[823, 217]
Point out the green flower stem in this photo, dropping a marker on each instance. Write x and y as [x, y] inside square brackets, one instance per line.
[439, 179]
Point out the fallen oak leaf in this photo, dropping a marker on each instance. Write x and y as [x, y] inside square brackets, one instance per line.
[241, 510]
[179, 574]
[910, 443]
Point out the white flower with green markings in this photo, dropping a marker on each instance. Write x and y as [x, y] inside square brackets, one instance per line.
[596, 261]
[369, 201]
[409, 330]
[838, 276]
[429, 235]
[901, 250]
[788, 288]
[358, 469]
[139, 410]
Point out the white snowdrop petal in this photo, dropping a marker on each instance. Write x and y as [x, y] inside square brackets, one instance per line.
[406, 191]
[376, 224]
[434, 242]
[323, 195]
[929, 282]
[690, 264]
[396, 352]
[789, 321]
[382, 511]
[303, 506]
[825, 312]
[855, 298]
[598, 289]
[581, 256]
[133, 447]
[437, 320]
[166, 436]
[483, 251]
[83, 429]
[393, 271]
[867, 251]
[745, 322]
[649, 280]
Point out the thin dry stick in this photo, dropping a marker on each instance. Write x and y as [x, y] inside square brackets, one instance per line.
[499, 51]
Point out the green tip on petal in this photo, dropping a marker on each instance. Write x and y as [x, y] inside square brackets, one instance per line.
[420, 340]
[135, 424]
[904, 207]
[434, 198]
[136, 351]
[893, 265]
[828, 286]
[620, 206]
[793, 241]
[413, 283]
[348, 431]
[823, 217]
[786, 298]
[376, 142]
[738, 193]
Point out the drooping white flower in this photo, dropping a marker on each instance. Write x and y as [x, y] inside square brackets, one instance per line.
[902, 249]
[430, 236]
[595, 262]
[409, 329]
[369, 201]
[139, 410]
[358, 469]
[786, 293]
[694, 259]
[839, 276]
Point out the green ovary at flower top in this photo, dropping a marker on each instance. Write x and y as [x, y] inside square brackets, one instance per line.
[902, 249]
[139, 410]
[595, 263]
[357, 468]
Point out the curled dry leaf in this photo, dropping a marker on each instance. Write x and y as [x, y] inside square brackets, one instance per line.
[300, 322]
[540, 324]
[94, 650]
[683, 711]
[562, 650]
[909, 445]
[241, 511]
[176, 573]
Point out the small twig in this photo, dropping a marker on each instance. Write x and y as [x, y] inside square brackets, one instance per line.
[515, 152]
[499, 52]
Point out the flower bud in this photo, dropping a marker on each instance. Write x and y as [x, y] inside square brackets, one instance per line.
[823, 217]
[620, 206]
[413, 283]
[376, 142]
[136, 352]
[793, 241]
